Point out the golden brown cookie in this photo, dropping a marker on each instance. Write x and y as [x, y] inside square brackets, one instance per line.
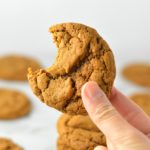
[13, 67]
[13, 104]
[82, 56]
[78, 133]
[143, 100]
[6, 144]
[138, 74]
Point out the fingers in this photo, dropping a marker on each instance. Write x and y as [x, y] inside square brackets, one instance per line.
[129, 110]
[104, 115]
[100, 148]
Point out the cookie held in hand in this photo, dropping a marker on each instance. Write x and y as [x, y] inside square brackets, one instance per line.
[82, 56]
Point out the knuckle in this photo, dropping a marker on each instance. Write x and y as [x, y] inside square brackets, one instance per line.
[104, 112]
[128, 138]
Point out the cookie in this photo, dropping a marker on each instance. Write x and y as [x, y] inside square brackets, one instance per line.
[78, 133]
[138, 74]
[63, 147]
[143, 100]
[13, 104]
[82, 56]
[6, 144]
[13, 67]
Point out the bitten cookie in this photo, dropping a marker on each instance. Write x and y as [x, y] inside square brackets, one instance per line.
[6, 144]
[143, 100]
[82, 56]
[13, 104]
[13, 67]
[138, 74]
[78, 133]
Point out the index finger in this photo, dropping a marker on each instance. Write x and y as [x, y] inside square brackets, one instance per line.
[130, 111]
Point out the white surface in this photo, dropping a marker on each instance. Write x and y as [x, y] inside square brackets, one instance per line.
[24, 29]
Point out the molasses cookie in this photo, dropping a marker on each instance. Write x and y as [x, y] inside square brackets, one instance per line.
[138, 74]
[78, 133]
[13, 104]
[143, 100]
[82, 56]
[13, 67]
[6, 144]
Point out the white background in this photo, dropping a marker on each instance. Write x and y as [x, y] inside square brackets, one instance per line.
[24, 24]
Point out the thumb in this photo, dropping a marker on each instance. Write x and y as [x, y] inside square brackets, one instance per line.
[103, 114]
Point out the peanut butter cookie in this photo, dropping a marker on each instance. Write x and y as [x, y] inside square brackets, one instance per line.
[143, 100]
[138, 74]
[13, 67]
[78, 133]
[13, 104]
[82, 56]
[6, 144]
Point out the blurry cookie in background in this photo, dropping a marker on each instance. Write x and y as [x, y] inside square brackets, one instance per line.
[14, 67]
[78, 133]
[143, 100]
[138, 74]
[13, 104]
[6, 144]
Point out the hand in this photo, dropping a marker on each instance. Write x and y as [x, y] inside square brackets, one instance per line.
[124, 124]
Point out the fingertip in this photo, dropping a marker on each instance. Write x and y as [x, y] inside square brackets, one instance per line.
[87, 86]
[86, 89]
[91, 95]
[83, 88]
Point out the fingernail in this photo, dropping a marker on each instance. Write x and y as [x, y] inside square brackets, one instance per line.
[92, 91]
